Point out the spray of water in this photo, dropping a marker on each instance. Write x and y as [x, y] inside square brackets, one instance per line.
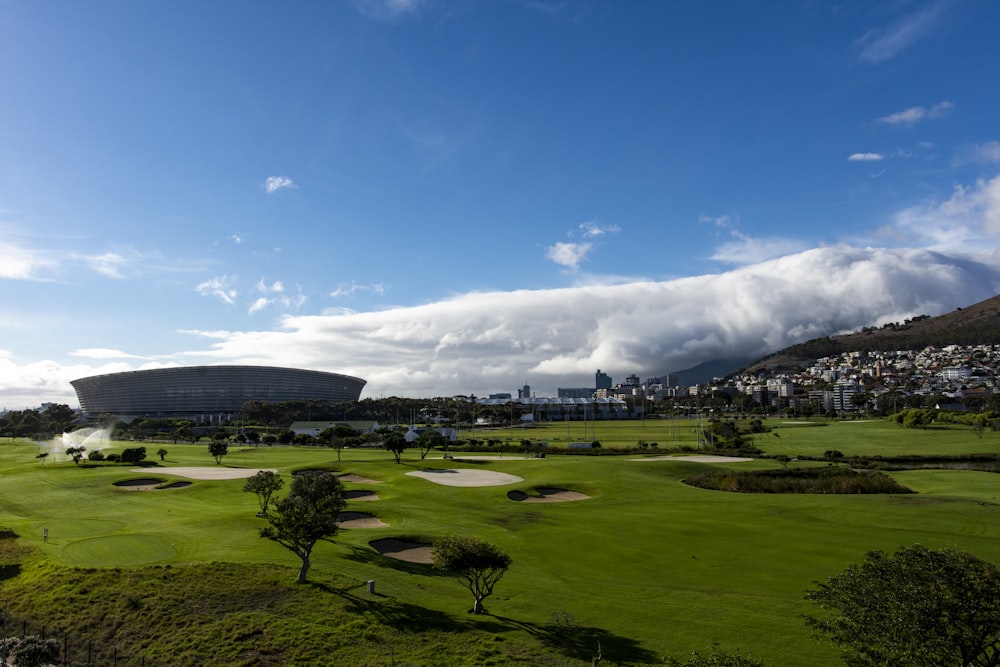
[93, 439]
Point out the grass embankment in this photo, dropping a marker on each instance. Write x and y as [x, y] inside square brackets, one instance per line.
[245, 614]
[651, 565]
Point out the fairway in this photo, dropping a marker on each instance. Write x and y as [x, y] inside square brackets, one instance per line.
[659, 567]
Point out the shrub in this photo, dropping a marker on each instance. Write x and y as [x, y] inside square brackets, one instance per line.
[831, 479]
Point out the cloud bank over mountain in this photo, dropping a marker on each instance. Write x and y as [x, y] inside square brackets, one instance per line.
[495, 341]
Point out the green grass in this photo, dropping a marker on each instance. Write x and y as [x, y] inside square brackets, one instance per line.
[656, 567]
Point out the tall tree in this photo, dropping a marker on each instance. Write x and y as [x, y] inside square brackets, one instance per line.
[395, 442]
[218, 449]
[306, 515]
[477, 564]
[428, 440]
[265, 484]
[918, 606]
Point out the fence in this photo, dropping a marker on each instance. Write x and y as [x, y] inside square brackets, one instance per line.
[76, 649]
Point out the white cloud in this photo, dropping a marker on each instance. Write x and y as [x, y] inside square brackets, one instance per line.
[592, 229]
[104, 353]
[914, 115]
[22, 263]
[879, 45]
[278, 297]
[742, 248]
[568, 254]
[275, 183]
[220, 287]
[236, 238]
[958, 223]
[723, 221]
[258, 305]
[865, 157]
[494, 341]
[985, 153]
[107, 264]
[352, 288]
[277, 287]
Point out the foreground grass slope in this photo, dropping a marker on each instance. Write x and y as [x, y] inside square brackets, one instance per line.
[652, 566]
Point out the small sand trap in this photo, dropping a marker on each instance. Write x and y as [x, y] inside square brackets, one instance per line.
[358, 479]
[139, 484]
[547, 495]
[149, 485]
[466, 477]
[698, 458]
[195, 472]
[494, 457]
[360, 495]
[360, 520]
[411, 552]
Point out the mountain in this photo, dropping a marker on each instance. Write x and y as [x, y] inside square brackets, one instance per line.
[706, 371]
[978, 324]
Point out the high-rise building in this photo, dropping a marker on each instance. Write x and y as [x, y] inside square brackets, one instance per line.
[602, 380]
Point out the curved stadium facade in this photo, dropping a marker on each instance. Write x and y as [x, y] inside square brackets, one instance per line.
[209, 392]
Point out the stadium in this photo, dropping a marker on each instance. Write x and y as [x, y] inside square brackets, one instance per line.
[207, 394]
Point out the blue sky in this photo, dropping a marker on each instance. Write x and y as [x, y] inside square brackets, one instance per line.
[456, 196]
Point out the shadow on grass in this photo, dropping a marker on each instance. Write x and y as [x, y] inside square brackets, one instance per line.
[561, 634]
[581, 642]
[393, 613]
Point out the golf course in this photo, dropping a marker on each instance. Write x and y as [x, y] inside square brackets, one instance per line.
[612, 553]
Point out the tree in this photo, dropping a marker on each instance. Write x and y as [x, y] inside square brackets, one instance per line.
[716, 658]
[428, 440]
[44, 455]
[477, 564]
[265, 484]
[918, 606]
[32, 651]
[306, 515]
[76, 453]
[134, 455]
[395, 442]
[161, 452]
[218, 449]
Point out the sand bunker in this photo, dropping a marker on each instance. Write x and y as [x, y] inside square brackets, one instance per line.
[465, 477]
[360, 520]
[494, 457]
[358, 479]
[411, 552]
[149, 485]
[547, 495]
[195, 472]
[698, 458]
[360, 495]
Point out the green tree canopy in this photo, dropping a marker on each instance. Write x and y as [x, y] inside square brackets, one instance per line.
[395, 442]
[918, 606]
[477, 564]
[428, 440]
[31, 651]
[306, 515]
[265, 483]
[218, 449]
